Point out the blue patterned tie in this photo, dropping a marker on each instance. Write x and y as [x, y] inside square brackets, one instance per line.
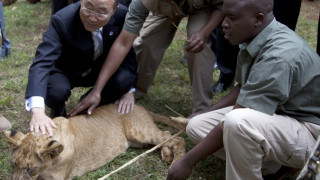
[97, 40]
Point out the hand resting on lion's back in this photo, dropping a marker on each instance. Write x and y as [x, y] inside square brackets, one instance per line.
[84, 143]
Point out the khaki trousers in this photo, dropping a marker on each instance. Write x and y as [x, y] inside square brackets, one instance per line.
[155, 37]
[255, 143]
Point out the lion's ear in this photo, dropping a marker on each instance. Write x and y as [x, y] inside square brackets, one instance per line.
[13, 137]
[52, 150]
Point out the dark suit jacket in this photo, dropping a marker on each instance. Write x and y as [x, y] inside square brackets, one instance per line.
[68, 47]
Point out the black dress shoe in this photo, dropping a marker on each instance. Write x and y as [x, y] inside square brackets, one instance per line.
[281, 173]
[224, 82]
[219, 87]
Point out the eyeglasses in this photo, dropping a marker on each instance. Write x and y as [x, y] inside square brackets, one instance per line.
[89, 12]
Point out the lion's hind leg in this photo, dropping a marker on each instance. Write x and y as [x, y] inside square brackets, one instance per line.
[150, 134]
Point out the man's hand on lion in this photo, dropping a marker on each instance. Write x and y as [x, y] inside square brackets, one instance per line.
[91, 101]
[125, 103]
[39, 120]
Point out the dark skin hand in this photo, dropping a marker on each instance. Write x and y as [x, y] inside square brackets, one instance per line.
[117, 53]
[182, 169]
[93, 98]
[197, 40]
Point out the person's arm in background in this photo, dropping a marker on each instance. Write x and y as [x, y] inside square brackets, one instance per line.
[198, 39]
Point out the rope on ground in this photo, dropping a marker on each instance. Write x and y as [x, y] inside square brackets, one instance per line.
[140, 156]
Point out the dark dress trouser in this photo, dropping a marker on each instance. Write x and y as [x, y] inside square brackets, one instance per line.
[60, 86]
[226, 55]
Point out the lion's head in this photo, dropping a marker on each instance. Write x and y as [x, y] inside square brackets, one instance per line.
[32, 154]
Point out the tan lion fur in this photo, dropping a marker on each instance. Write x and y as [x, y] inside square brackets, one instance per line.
[84, 143]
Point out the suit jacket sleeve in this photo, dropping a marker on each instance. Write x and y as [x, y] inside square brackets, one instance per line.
[47, 52]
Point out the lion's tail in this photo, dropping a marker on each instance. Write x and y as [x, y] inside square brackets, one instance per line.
[178, 123]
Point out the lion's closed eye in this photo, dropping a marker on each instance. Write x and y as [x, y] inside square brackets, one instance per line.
[13, 164]
[31, 171]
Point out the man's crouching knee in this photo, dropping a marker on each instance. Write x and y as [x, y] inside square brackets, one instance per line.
[194, 129]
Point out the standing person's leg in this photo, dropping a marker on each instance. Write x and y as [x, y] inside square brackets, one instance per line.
[287, 12]
[200, 65]
[155, 37]
[6, 45]
[252, 138]
[58, 4]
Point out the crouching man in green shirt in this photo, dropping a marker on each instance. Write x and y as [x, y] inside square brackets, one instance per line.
[272, 117]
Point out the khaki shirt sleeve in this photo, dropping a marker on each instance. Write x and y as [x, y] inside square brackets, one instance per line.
[268, 86]
[135, 17]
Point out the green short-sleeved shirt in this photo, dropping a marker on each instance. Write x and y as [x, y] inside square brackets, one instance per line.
[280, 73]
[139, 10]
[136, 15]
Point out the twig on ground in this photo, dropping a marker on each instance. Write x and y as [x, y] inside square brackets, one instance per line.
[175, 111]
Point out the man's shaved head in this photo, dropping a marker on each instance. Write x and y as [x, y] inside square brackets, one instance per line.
[253, 6]
[244, 19]
[259, 6]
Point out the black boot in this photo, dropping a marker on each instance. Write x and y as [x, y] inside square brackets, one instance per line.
[224, 82]
[281, 173]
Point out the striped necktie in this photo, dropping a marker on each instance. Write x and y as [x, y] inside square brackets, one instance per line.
[97, 40]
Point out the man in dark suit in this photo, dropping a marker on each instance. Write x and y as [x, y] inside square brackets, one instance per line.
[70, 56]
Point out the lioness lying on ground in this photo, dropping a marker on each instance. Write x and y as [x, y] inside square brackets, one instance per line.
[84, 143]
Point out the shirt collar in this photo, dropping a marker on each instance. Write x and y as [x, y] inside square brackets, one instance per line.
[255, 45]
[100, 30]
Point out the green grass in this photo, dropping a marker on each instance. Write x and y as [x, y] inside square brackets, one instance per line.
[25, 24]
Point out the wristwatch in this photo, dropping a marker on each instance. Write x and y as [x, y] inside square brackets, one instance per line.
[132, 90]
